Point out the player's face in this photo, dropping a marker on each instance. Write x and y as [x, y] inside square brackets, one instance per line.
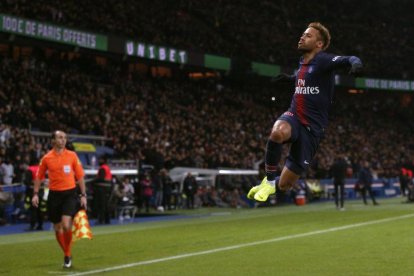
[60, 140]
[309, 40]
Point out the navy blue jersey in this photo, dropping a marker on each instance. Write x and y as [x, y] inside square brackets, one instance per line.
[314, 86]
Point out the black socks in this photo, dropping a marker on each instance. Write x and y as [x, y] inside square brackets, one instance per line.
[272, 158]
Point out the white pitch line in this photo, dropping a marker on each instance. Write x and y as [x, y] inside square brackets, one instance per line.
[238, 246]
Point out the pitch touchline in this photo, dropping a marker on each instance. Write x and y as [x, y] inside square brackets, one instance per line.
[233, 247]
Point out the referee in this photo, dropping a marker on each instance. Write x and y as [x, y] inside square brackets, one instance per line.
[64, 168]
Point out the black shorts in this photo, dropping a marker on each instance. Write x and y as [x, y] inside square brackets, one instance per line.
[62, 203]
[303, 145]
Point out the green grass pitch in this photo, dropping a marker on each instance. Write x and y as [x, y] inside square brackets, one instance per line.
[314, 239]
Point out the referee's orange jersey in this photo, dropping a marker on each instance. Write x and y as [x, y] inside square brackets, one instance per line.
[62, 169]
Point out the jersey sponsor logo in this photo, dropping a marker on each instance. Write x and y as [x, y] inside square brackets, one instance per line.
[288, 113]
[335, 58]
[301, 88]
[301, 82]
[307, 90]
[66, 169]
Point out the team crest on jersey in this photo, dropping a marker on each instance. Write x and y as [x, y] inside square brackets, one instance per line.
[66, 169]
[310, 70]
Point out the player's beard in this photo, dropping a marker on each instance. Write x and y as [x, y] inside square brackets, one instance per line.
[304, 50]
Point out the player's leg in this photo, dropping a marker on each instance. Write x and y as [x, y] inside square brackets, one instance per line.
[54, 210]
[70, 205]
[288, 178]
[342, 191]
[336, 191]
[363, 194]
[302, 151]
[371, 194]
[60, 237]
[67, 235]
[281, 132]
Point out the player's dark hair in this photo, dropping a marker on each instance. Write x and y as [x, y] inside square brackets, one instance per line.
[324, 32]
[53, 135]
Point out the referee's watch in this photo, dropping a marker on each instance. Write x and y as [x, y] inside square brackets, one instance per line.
[82, 195]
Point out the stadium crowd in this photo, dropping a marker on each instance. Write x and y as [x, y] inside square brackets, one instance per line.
[264, 31]
[170, 123]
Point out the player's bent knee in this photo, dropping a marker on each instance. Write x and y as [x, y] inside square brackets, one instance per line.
[281, 132]
[279, 136]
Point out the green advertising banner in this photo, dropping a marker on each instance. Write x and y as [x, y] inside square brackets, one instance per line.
[401, 85]
[263, 69]
[160, 53]
[46, 31]
[217, 62]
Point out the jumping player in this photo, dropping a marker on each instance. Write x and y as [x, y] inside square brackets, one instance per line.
[304, 123]
[64, 168]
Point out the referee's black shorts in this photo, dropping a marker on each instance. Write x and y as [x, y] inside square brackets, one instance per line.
[62, 203]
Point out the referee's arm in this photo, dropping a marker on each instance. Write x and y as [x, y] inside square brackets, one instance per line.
[36, 187]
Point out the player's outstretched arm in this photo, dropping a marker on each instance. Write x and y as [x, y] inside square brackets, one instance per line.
[356, 65]
[332, 62]
[283, 77]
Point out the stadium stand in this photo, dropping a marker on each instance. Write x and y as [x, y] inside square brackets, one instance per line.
[187, 123]
[257, 31]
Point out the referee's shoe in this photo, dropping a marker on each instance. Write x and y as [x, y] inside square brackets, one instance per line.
[67, 262]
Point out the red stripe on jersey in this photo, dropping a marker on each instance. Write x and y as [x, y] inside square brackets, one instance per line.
[300, 98]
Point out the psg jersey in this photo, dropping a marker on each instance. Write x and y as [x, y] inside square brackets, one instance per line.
[314, 86]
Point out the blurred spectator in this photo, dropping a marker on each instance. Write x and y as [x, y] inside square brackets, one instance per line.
[125, 194]
[167, 185]
[236, 199]
[365, 182]
[405, 177]
[6, 172]
[158, 189]
[146, 191]
[190, 189]
[410, 196]
[36, 214]
[214, 198]
[338, 171]
[102, 188]
[4, 133]
[6, 198]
